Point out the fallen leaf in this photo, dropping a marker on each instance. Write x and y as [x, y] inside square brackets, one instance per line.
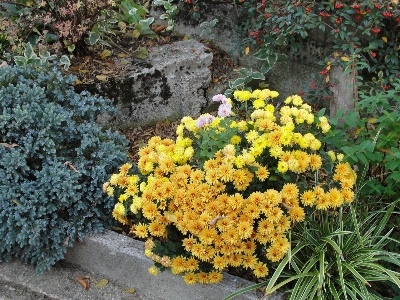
[122, 55]
[215, 220]
[130, 291]
[16, 202]
[78, 82]
[101, 283]
[135, 34]
[83, 281]
[345, 58]
[160, 28]
[84, 71]
[65, 244]
[327, 78]
[8, 145]
[247, 50]
[141, 53]
[122, 26]
[185, 38]
[105, 53]
[384, 38]
[69, 164]
[101, 77]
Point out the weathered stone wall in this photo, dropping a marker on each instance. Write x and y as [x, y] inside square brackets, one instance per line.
[287, 77]
[169, 84]
[175, 80]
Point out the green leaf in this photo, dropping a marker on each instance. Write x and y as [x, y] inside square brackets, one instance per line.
[362, 158]
[321, 112]
[29, 53]
[282, 265]
[144, 28]
[141, 53]
[269, 291]
[64, 60]
[341, 277]
[93, 38]
[238, 82]
[281, 58]
[20, 60]
[257, 75]
[249, 288]
[262, 54]
[355, 273]
[385, 219]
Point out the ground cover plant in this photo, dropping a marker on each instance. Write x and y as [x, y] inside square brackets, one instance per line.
[71, 26]
[54, 158]
[226, 192]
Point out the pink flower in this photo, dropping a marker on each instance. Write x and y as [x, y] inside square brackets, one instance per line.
[203, 120]
[219, 98]
[224, 110]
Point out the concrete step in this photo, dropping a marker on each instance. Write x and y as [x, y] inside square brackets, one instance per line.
[121, 261]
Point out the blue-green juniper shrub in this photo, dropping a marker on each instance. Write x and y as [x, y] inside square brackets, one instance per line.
[54, 158]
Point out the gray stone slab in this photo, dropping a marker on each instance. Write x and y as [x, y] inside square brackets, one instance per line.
[122, 259]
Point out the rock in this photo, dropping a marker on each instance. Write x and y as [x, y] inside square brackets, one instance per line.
[169, 84]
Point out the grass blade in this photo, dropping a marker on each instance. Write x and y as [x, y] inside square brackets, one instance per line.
[246, 289]
[281, 284]
[355, 273]
[341, 278]
[282, 265]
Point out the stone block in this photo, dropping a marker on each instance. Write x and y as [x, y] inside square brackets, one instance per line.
[169, 84]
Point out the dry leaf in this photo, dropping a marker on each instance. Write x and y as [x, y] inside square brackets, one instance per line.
[130, 291]
[83, 281]
[65, 244]
[78, 82]
[83, 71]
[247, 50]
[345, 58]
[101, 283]
[101, 77]
[135, 34]
[385, 150]
[372, 120]
[122, 55]
[122, 26]
[69, 164]
[8, 145]
[105, 54]
[327, 78]
[160, 28]
[384, 38]
[215, 220]
[185, 38]
[395, 1]
[16, 202]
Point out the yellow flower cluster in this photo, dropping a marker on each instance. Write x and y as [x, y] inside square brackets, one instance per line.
[222, 218]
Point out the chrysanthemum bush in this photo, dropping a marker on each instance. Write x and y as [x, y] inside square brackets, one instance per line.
[226, 192]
